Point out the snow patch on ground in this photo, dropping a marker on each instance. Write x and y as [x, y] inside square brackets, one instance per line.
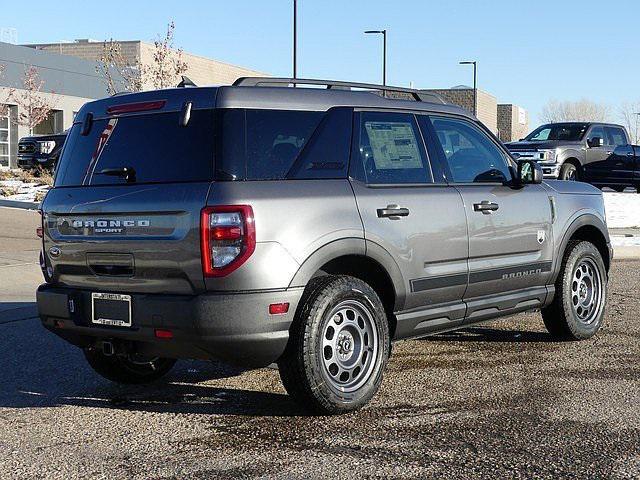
[25, 192]
[620, 241]
[623, 209]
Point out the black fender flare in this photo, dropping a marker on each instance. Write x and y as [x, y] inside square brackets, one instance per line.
[352, 246]
[582, 220]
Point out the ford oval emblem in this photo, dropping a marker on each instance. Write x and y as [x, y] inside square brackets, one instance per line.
[54, 251]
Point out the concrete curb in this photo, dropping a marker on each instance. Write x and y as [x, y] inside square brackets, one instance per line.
[19, 204]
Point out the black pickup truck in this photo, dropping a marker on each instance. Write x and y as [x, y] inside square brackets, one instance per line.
[40, 150]
[618, 168]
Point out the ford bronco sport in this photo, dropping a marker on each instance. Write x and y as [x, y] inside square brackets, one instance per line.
[309, 227]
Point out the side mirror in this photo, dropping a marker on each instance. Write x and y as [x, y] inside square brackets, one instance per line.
[529, 172]
[596, 142]
[515, 155]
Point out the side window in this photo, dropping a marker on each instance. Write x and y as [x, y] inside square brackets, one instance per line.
[596, 131]
[326, 155]
[615, 136]
[469, 153]
[390, 149]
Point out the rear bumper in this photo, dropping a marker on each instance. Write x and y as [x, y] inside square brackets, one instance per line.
[236, 328]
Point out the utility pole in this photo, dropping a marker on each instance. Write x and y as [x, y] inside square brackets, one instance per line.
[636, 136]
[475, 85]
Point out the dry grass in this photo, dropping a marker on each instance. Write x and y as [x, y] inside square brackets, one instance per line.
[38, 176]
[8, 191]
[7, 175]
[40, 196]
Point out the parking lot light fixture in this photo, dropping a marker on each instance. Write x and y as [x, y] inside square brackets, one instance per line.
[475, 84]
[384, 52]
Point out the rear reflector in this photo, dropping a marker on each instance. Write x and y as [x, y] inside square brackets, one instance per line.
[278, 308]
[136, 107]
[164, 334]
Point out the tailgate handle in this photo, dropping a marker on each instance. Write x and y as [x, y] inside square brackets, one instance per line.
[112, 270]
[111, 264]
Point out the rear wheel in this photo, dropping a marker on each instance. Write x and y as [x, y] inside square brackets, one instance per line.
[130, 369]
[338, 348]
[577, 310]
[569, 171]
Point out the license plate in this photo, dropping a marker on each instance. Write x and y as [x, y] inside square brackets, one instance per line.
[111, 309]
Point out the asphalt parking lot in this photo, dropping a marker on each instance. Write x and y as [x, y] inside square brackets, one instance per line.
[495, 401]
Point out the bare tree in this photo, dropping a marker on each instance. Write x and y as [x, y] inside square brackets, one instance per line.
[113, 64]
[163, 71]
[33, 106]
[575, 111]
[4, 109]
[167, 65]
[629, 113]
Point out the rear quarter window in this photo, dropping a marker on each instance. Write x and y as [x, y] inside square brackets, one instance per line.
[266, 144]
[155, 146]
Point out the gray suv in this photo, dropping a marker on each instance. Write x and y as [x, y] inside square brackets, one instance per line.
[309, 227]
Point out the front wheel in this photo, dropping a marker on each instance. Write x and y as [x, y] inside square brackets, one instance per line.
[569, 171]
[577, 310]
[338, 347]
[130, 369]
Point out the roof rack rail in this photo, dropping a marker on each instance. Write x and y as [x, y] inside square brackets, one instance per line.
[418, 95]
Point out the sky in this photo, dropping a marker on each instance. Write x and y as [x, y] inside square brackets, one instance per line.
[528, 52]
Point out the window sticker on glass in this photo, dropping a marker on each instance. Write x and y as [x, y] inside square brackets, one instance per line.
[394, 145]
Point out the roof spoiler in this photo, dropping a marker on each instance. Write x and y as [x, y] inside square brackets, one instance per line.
[417, 95]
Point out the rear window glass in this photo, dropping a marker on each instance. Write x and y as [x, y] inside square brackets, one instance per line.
[261, 144]
[153, 148]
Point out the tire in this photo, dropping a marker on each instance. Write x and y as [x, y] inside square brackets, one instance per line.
[577, 310]
[338, 346]
[128, 370]
[570, 172]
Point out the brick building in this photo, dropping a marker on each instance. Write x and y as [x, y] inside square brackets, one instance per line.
[508, 121]
[202, 70]
[513, 122]
[463, 97]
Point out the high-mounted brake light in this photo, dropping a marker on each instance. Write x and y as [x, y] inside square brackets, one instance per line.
[136, 107]
[227, 238]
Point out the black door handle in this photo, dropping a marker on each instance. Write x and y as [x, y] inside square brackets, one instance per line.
[392, 211]
[485, 207]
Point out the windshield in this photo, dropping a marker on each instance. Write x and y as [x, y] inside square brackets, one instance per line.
[571, 132]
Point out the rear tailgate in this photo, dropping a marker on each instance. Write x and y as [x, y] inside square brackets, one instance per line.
[124, 213]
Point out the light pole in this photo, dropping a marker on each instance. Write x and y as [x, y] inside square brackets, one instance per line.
[384, 53]
[637, 115]
[295, 39]
[475, 84]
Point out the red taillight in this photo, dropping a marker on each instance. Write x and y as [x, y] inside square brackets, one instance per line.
[39, 232]
[278, 308]
[136, 107]
[227, 238]
[163, 334]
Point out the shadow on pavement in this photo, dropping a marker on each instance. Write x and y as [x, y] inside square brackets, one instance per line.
[14, 311]
[41, 370]
[480, 334]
